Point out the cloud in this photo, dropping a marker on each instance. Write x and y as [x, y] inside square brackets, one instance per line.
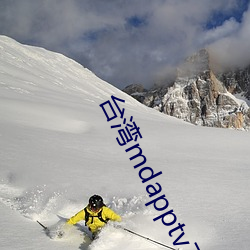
[121, 41]
[233, 49]
[228, 28]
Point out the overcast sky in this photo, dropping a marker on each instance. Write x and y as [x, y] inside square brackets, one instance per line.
[131, 41]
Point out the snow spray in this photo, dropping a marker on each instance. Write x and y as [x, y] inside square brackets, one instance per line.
[131, 132]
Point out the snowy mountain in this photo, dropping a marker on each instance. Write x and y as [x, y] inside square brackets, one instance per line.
[57, 149]
[201, 95]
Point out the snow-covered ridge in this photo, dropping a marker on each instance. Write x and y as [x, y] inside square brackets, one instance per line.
[43, 77]
[35, 67]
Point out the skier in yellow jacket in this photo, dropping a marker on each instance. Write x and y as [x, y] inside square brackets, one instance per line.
[96, 215]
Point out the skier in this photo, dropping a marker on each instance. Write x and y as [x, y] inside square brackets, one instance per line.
[95, 214]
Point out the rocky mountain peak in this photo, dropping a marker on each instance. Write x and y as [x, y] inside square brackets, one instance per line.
[202, 97]
[196, 64]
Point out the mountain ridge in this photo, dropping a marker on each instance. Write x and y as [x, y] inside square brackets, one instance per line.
[201, 95]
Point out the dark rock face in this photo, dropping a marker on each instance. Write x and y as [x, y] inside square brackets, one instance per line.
[199, 96]
[237, 81]
[137, 91]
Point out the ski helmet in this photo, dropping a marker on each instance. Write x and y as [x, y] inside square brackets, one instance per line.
[95, 202]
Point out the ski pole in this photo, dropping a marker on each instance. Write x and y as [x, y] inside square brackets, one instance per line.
[45, 228]
[148, 238]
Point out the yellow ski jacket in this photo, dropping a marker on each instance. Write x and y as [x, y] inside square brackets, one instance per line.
[94, 223]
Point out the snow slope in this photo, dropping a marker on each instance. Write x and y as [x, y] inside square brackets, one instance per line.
[57, 149]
